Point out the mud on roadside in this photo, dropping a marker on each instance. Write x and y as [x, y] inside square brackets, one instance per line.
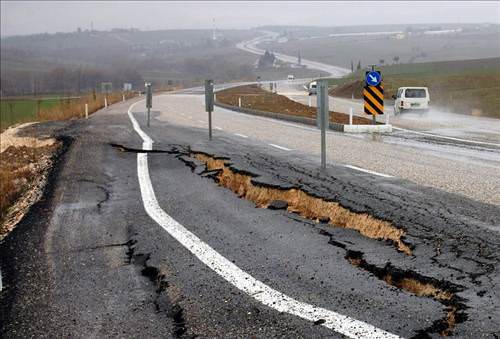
[26, 160]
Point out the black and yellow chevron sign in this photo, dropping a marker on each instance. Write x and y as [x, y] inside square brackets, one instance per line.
[374, 98]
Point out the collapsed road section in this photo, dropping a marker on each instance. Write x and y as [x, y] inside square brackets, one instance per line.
[437, 245]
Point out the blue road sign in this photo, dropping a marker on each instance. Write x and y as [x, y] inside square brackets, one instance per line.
[373, 78]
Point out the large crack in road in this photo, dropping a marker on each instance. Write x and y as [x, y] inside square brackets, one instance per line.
[251, 186]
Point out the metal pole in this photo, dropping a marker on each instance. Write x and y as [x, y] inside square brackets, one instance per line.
[323, 117]
[209, 125]
[209, 104]
[149, 112]
[374, 119]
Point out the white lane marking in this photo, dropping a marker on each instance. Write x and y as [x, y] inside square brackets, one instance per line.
[241, 135]
[280, 147]
[368, 171]
[218, 128]
[446, 137]
[233, 274]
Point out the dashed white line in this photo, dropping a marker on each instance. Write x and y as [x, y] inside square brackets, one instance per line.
[233, 274]
[280, 147]
[368, 171]
[241, 135]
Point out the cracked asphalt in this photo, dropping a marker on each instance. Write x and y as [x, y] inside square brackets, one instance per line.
[87, 261]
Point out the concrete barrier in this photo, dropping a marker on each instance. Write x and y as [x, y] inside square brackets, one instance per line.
[309, 121]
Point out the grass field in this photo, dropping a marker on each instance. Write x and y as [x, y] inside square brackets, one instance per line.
[13, 111]
[340, 51]
[27, 109]
[468, 87]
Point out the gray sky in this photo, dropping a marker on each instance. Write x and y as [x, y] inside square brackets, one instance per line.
[26, 17]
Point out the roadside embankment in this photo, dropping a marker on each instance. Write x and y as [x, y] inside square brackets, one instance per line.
[256, 98]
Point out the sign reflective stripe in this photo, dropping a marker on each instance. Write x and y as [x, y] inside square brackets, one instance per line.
[379, 92]
[369, 109]
[374, 99]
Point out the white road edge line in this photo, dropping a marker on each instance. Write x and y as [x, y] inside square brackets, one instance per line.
[280, 147]
[233, 274]
[241, 135]
[368, 171]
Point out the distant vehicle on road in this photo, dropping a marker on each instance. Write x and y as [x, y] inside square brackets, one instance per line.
[415, 99]
[291, 77]
[312, 88]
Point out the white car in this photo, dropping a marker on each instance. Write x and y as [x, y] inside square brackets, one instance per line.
[312, 89]
[291, 77]
[415, 99]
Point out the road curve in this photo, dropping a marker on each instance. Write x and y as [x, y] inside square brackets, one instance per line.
[251, 47]
[95, 257]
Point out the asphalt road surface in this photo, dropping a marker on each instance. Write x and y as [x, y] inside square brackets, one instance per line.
[455, 127]
[135, 237]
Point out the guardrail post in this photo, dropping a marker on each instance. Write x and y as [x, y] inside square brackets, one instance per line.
[105, 102]
[350, 115]
[323, 118]
[149, 99]
[86, 111]
[209, 104]
[239, 102]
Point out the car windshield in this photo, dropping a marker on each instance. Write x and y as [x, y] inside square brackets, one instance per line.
[415, 93]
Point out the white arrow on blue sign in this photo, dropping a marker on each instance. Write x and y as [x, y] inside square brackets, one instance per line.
[373, 78]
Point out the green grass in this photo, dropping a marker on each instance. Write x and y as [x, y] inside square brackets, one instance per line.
[17, 110]
[466, 87]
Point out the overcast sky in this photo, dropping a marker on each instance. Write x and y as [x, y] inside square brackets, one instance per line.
[26, 17]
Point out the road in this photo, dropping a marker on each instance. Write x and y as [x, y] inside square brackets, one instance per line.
[251, 47]
[140, 243]
[436, 122]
